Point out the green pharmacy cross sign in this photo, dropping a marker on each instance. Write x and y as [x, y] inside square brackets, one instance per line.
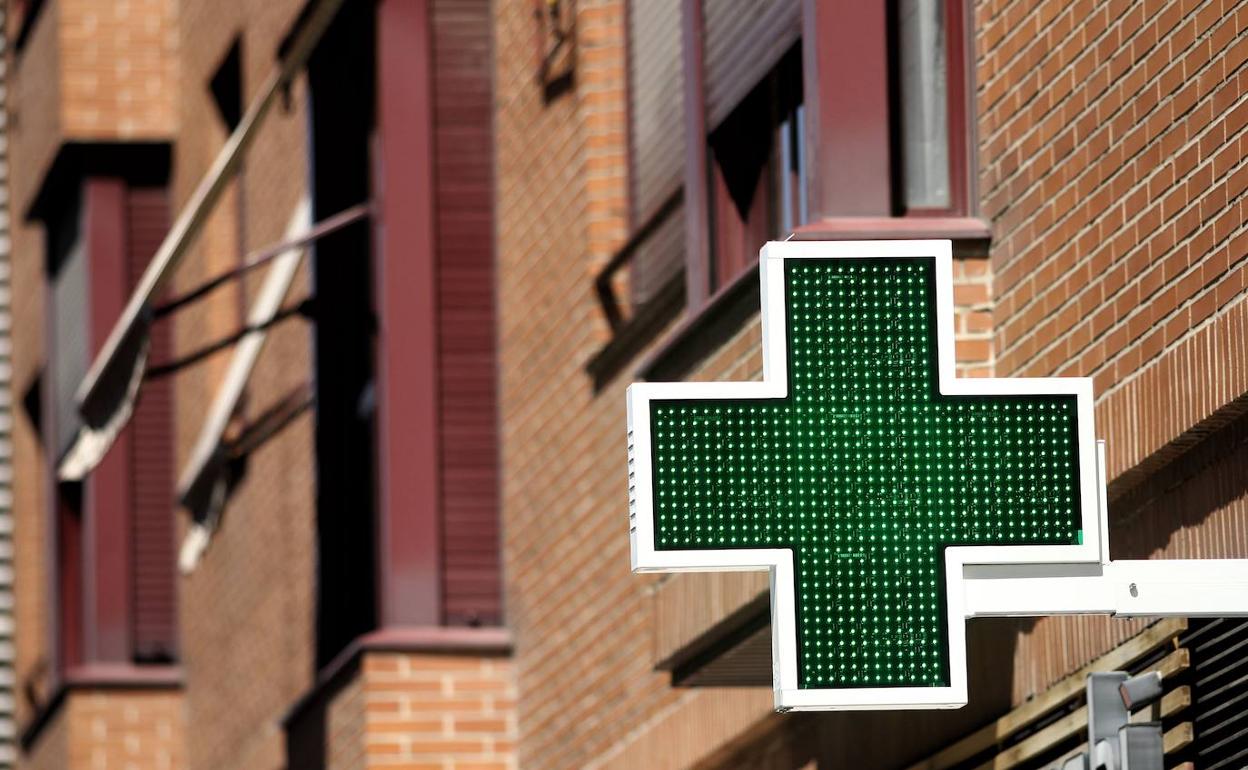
[889, 500]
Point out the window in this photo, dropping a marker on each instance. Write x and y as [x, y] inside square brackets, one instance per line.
[406, 406]
[656, 151]
[928, 72]
[845, 122]
[68, 324]
[113, 579]
[68, 358]
[341, 82]
[757, 181]
[887, 89]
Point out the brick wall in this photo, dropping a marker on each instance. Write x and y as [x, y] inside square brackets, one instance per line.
[118, 68]
[1110, 142]
[8, 724]
[108, 729]
[1112, 164]
[972, 307]
[584, 624]
[411, 711]
[33, 118]
[1112, 146]
[581, 621]
[247, 612]
[452, 712]
[87, 72]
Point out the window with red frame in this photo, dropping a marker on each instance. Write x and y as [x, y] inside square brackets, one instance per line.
[889, 128]
[757, 184]
[928, 91]
[114, 579]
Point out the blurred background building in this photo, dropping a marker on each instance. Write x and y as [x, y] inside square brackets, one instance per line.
[323, 311]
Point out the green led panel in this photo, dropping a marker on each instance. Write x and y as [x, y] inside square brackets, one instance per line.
[866, 472]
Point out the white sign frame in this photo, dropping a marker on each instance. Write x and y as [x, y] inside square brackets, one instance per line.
[981, 580]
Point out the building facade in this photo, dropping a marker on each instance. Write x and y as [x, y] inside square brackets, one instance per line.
[1086, 160]
[323, 312]
[269, 537]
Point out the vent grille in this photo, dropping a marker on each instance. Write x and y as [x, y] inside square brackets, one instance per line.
[632, 484]
[1219, 684]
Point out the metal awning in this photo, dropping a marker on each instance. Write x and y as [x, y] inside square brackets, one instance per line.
[203, 484]
[107, 395]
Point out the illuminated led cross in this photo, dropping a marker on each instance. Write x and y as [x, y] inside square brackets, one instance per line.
[872, 483]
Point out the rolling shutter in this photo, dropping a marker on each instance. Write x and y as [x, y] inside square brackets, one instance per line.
[657, 139]
[466, 328]
[155, 605]
[743, 41]
[1219, 692]
[657, 103]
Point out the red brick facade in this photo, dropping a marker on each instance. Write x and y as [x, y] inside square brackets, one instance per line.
[113, 728]
[499, 625]
[411, 710]
[96, 83]
[1110, 139]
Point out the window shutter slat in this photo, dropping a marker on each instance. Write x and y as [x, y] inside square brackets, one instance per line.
[657, 139]
[743, 41]
[466, 351]
[155, 587]
[657, 103]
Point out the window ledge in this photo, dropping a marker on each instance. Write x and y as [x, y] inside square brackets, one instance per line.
[703, 331]
[876, 228]
[638, 332]
[726, 312]
[441, 640]
[97, 676]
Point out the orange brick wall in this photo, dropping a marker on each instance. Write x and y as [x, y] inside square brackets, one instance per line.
[91, 71]
[88, 71]
[139, 70]
[110, 729]
[33, 117]
[582, 622]
[118, 68]
[34, 113]
[451, 712]
[412, 711]
[1110, 141]
[247, 611]
[30, 535]
[972, 307]
[1112, 164]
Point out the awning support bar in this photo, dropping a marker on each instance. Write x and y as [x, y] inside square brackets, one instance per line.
[263, 256]
[193, 215]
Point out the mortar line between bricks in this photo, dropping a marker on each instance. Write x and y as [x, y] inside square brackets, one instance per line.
[1105, 124]
[1106, 242]
[1140, 307]
[1089, 167]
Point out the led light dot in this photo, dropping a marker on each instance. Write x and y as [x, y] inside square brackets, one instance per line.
[866, 472]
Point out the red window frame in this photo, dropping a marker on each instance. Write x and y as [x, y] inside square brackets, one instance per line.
[102, 614]
[851, 150]
[957, 72]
